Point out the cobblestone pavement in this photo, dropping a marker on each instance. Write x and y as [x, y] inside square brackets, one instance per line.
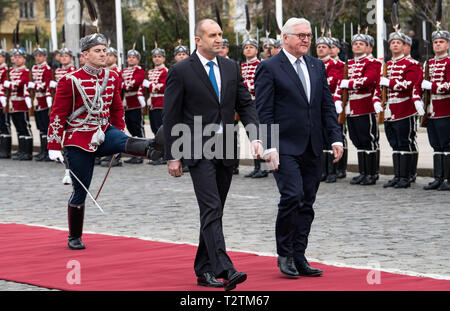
[404, 231]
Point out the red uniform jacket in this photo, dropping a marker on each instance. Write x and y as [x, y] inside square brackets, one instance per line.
[61, 72]
[440, 88]
[19, 78]
[335, 72]
[132, 78]
[248, 75]
[42, 75]
[79, 132]
[404, 74]
[3, 71]
[363, 75]
[157, 78]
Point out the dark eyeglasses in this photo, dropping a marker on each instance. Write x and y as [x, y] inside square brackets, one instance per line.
[302, 36]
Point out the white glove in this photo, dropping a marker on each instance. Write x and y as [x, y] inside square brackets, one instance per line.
[28, 102]
[146, 83]
[7, 84]
[426, 85]
[384, 81]
[3, 101]
[347, 109]
[419, 107]
[344, 84]
[141, 100]
[31, 85]
[338, 105]
[56, 155]
[49, 101]
[53, 84]
[377, 107]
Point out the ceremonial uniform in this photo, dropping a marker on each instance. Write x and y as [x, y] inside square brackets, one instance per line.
[132, 79]
[363, 76]
[42, 75]
[248, 70]
[334, 75]
[20, 104]
[438, 127]
[87, 121]
[61, 72]
[5, 130]
[156, 85]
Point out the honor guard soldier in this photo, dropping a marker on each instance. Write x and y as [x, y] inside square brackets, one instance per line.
[363, 76]
[225, 48]
[87, 121]
[132, 77]
[180, 52]
[341, 170]
[438, 111]
[5, 130]
[400, 111]
[40, 84]
[20, 105]
[415, 154]
[155, 82]
[334, 75]
[248, 68]
[269, 47]
[111, 63]
[66, 66]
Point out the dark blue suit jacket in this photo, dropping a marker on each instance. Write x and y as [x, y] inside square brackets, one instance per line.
[281, 99]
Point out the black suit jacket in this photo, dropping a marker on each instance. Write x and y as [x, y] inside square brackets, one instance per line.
[281, 99]
[189, 93]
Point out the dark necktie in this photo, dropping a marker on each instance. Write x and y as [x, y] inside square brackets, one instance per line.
[212, 77]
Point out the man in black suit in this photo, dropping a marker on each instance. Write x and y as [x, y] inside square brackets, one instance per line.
[292, 92]
[202, 95]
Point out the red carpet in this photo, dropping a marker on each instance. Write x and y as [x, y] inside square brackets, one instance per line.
[39, 256]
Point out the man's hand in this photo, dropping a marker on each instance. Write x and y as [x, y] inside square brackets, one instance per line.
[31, 85]
[272, 160]
[384, 82]
[377, 107]
[56, 155]
[426, 85]
[3, 101]
[338, 105]
[175, 168]
[257, 149]
[419, 107]
[338, 151]
[53, 84]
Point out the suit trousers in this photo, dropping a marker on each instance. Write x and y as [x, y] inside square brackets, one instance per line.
[363, 131]
[82, 162]
[5, 127]
[21, 121]
[401, 134]
[211, 180]
[298, 179]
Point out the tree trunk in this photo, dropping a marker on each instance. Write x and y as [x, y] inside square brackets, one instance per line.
[107, 19]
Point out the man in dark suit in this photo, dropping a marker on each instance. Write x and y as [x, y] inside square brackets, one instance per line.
[292, 94]
[202, 95]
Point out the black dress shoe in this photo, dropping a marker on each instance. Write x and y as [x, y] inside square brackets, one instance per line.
[209, 280]
[304, 269]
[287, 266]
[134, 160]
[76, 243]
[233, 278]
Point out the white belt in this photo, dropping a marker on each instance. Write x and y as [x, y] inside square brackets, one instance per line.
[359, 96]
[398, 100]
[156, 95]
[128, 94]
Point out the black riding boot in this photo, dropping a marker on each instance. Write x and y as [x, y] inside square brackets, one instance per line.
[370, 161]
[257, 165]
[27, 154]
[331, 169]
[76, 217]
[445, 186]
[362, 169]
[342, 165]
[415, 159]
[405, 168]
[438, 168]
[396, 164]
[5, 146]
[20, 147]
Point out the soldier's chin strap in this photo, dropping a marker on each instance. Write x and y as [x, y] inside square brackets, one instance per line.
[82, 185]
